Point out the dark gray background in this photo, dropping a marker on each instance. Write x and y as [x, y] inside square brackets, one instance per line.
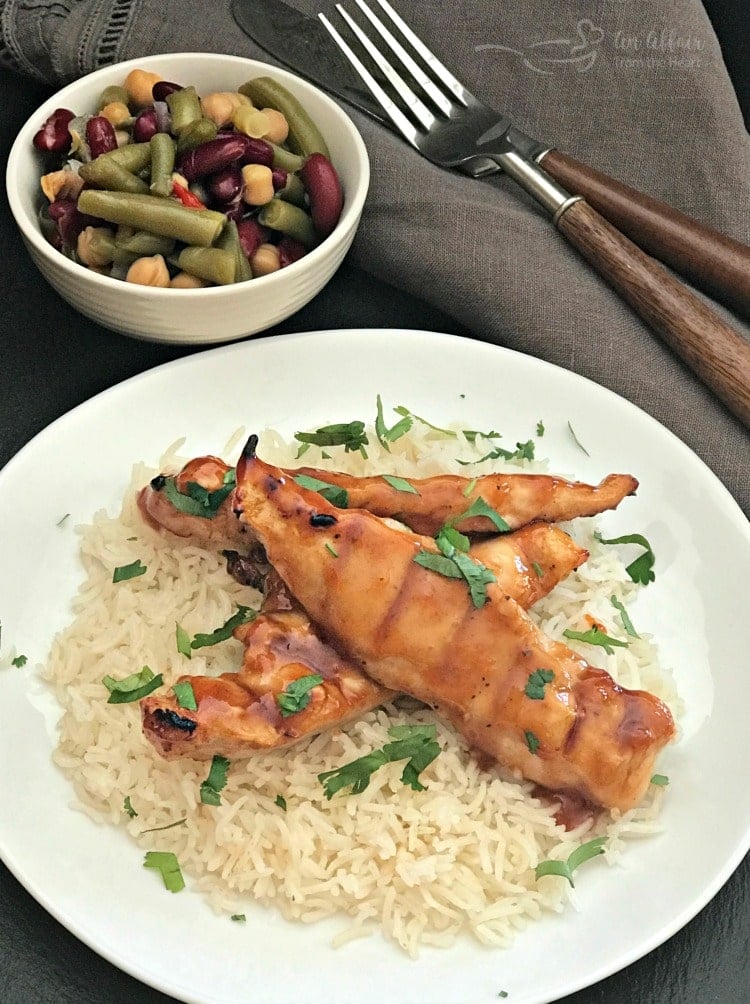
[69, 360]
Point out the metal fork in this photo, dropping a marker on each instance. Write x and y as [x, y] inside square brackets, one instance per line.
[451, 127]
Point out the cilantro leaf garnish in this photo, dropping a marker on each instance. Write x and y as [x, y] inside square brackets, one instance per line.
[243, 615]
[216, 780]
[536, 683]
[595, 636]
[183, 641]
[438, 563]
[386, 435]
[414, 743]
[296, 695]
[455, 563]
[566, 868]
[523, 451]
[133, 687]
[350, 435]
[642, 569]
[469, 488]
[402, 410]
[169, 826]
[532, 742]
[185, 695]
[400, 484]
[331, 549]
[626, 621]
[660, 780]
[331, 493]
[280, 801]
[62, 519]
[239, 917]
[577, 441]
[167, 864]
[481, 508]
[197, 500]
[124, 572]
[127, 807]
[538, 570]
[19, 661]
[540, 428]
[449, 536]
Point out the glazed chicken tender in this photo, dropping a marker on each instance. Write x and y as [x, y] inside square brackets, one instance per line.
[488, 670]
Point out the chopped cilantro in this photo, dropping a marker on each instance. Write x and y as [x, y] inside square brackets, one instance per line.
[183, 641]
[62, 520]
[454, 563]
[169, 826]
[540, 428]
[124, 572]
[502, 993]
[280, 801]
[414, 743]
[239, 917]
[532, 742]
[566, 868]
[481, 508]
[577, 441]
[185, 695]
[523, 451]
[197, 500]
[536, 683]
[400, 484]
[127, 807]
[19, 661]
[296, 695]
[469, 488]
[642, 569]
[449, 536]
[243, 615]
[167, 864]
[350, 435]
[660, 780]
[538, 570]
[133, 687]
[216, 780]
[626, 621]
[438, 563]
[331, 493]
[386, 435]
[595, 636]
[401, 410]
[330, 548]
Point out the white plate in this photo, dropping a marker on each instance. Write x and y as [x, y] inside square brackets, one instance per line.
[90, 877]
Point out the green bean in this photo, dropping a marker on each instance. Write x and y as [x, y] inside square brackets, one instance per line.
[304, 136]
[289, 219]
[113, 93]
[293, 190]
[213, 264]
[285, 159]
[133, 156]
[157, 215]
[198, 132]
[162, 165]
[112, 176]
[141, 242]
[185, 108]
[230, 241]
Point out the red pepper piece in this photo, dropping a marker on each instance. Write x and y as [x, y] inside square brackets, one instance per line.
[186, 197]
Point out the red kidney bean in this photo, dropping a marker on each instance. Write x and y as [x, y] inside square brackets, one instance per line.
[233, 210]
[54, 136]
[162, 88]
[257, 151]
[100, 135]
[225, 185]
[324, 191]
[69, 221]
[145, 126]
[290, 250]
[213, 156]
[279, 176]
[251, 235]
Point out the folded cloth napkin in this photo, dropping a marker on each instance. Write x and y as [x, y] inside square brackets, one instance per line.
[637, 89]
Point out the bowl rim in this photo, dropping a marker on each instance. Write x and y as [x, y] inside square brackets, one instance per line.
[31, 232]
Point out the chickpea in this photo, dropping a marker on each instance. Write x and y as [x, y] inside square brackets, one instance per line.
[122, 137]
[257, 184]
[116, 112]
[278, 128]
[94, 247]
[62, 185]
[184, 280]
[138, 84]
[251, 122]
[265, 260]
[221, 106]
[149, 272]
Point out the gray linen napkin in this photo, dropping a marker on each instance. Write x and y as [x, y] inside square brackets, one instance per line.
[636, 88]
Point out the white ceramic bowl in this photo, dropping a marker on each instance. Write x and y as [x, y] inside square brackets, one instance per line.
[202, 316]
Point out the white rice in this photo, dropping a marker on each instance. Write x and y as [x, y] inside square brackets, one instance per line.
[425, 866]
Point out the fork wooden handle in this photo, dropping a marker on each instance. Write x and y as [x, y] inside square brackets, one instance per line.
[714, 350]
[711, 261]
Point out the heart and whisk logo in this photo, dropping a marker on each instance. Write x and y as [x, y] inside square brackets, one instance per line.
[577, 52]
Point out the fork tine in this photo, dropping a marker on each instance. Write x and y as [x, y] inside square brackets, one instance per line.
[419, 109]
[440, 70]
[407, 129]
[437, 97]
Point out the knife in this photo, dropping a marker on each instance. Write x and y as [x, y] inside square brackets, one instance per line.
[711, 261]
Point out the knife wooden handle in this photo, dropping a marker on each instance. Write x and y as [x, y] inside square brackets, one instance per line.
[713, 263]
[716, 353]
